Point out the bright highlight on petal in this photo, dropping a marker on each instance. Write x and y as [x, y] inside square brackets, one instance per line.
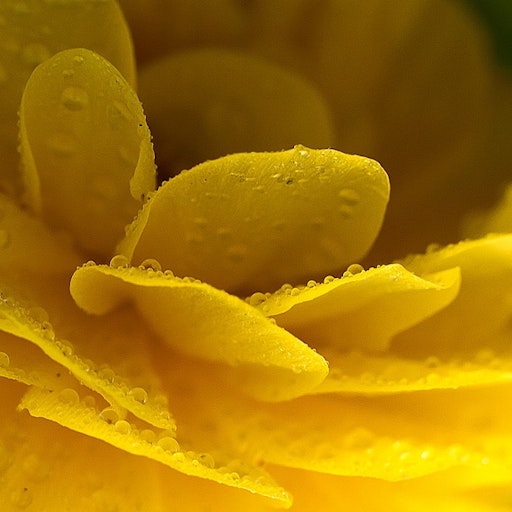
[252, 221]
[207, 103]
[199, 320]
[87, 155]
[32, 31]
[363, 310]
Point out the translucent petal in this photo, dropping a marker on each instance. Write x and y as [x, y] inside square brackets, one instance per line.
[86, 148]
[199, 320]
[363, 310]
[252, 221]
[83, 417]
[32, 31]
[94, 352]
[207, 103]
[480, 316]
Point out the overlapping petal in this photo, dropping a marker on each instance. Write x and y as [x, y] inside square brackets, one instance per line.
[87, 156]
[32, 31]
[223, 220]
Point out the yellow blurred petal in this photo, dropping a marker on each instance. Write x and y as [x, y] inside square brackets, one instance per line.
[252, 221]
[83, 417]
[86, 149]
[32, 31]
[206, 103]
[27, 245]
[480, 316]
[363, 310]
[199, 320]
[93, 352]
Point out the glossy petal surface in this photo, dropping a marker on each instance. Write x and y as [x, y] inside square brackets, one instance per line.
[87, 156]
[222, 221]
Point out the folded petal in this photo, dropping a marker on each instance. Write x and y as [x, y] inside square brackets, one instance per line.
[252, 221]
[199, 320]
[94, 352]
[34, 31]
[88, 161]
[361, 310]
[206, 103]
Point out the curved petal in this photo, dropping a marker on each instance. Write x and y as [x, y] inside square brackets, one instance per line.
[199, 320]
[32, 31]
[361, 310]
[206, 103]
[92, 351]
[70, 410]
[86, 149]
[252, 221]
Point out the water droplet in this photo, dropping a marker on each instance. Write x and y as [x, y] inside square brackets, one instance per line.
[148, 436]
[311, 283]
[46, 329]
[118, 113]
[205, 459]
[89, 401]
[77, 60]
[107, 374]
[152, 264]
[257, 298]
[110, 415]
[119, 261]
[74, 98]
[169, 444]
[353, 270]
[68, 73]
[329, 279]
[139, 394]
[35, 53]
[39, 314]
[69, 396]
[65, 347]
[4, 360]
[122, 427]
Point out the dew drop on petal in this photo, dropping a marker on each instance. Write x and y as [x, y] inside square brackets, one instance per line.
[139, 395]
[122, 427]
[74, 98]
[148, 436]
[152, 264]
[257, 298]
[110, 415]
[119, 261]
[169, 444]
[69, 396]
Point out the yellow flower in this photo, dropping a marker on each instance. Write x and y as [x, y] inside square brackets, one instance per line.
[167, 367]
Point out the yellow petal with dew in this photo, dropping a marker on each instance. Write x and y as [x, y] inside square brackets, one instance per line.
[93, 352]
[252, 221]
[46, 467]
[28, 245]
[207, 103]
[87, 156]
[201, 321]
[480, 316]
[34, 30]
[362, 309]
[83, 416]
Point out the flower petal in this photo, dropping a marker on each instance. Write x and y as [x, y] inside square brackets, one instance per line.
[363, 310]
[95, 356]
[199, 320]
[207, 103]
[252, 221]
[480, 316]
[84, 417]
[86, 148]
[34, 30]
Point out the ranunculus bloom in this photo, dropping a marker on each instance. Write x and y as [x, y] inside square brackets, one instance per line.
[180, 341]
